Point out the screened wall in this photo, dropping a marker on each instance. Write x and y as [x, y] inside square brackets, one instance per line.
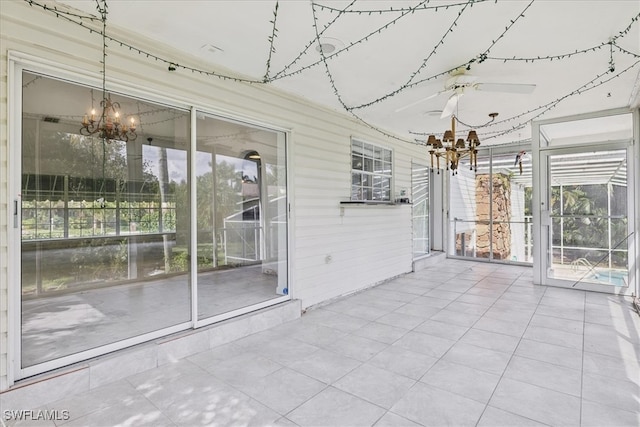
[490, 208]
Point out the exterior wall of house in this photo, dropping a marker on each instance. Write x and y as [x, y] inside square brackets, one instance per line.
[334, 249]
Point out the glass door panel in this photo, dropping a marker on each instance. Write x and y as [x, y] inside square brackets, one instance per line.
[589, 228]
[103, 223]
[511, 206]
[420, 209]
[468, 210]
[242, 216]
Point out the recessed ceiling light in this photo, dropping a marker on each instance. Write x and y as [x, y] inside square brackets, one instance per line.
[329, 45]
[326, 47]
[433, 113]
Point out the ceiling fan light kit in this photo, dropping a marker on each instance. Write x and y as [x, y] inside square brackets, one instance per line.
[460, 83]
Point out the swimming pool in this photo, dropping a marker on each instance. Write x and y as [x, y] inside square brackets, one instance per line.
[616, 278]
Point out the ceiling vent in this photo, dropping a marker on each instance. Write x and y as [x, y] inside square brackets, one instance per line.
[211, 48]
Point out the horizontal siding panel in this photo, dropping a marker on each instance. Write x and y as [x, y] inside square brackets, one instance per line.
[327, 280]
[314, 204]
[328, 164]
[340, 176]
[364, 254]
[347, 257]
[305, 236]
[343, 225]
[317, 292]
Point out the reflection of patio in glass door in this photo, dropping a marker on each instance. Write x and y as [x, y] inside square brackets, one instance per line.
[589, 230]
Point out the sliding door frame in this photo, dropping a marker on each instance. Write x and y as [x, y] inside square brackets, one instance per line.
[541, 198]
[19, 62]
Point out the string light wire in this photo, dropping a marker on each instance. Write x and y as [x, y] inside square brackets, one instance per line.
[80, 19]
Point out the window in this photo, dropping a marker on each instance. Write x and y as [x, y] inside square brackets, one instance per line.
[370, 172]
[420, 209]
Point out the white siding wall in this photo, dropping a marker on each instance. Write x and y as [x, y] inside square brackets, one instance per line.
[334, 251]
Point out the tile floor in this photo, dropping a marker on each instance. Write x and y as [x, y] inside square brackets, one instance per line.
[457, 344]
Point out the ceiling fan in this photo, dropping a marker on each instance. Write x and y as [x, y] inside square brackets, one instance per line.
[460, 83]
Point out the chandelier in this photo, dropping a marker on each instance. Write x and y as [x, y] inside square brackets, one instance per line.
[108, 124]
[452, 150]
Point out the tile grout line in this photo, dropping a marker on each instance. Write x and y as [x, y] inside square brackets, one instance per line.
[458, 340]
[509, 362]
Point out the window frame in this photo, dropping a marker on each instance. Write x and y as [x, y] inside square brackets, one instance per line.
[373, 180]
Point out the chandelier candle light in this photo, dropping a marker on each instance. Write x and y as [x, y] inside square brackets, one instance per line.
[452, 150]
[108, 125]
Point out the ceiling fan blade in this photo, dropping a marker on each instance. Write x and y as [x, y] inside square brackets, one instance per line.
[451, 105]
[505, 87]
[420, 101]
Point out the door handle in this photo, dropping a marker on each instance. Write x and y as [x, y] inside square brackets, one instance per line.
[545, 218]
[15, 213]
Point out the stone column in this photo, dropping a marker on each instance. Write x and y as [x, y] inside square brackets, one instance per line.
[497, 208]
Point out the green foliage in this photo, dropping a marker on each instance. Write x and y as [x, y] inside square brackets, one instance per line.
[585, 222]
[99, 259]
[179, 262]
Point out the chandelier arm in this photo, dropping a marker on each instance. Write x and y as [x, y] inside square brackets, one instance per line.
[492, 115]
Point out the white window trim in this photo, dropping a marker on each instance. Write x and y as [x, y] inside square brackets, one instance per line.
[390, 175]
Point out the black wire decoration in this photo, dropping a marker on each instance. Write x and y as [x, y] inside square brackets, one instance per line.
[335, 89]
[102, 9]
[399, 9]
[335, 54]
[272, 38]
[281, 73]
[521, 120]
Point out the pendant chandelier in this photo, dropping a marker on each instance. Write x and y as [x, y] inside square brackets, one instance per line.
[452, 150]
[107, 125]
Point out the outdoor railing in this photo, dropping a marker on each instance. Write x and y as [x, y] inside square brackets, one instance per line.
[466, 246]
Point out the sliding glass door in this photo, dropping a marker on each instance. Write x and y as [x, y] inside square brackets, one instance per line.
[242, 216]
[136, 225]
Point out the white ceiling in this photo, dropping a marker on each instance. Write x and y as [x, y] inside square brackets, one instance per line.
[406, 52]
